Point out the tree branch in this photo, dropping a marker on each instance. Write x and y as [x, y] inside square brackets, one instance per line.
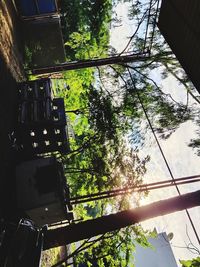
[79, 249]
[181, 81]
[154, 83]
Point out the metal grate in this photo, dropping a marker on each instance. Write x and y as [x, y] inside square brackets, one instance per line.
[42, 122]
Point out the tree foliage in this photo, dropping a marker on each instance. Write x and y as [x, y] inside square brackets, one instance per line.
[85, 27]
[191, 263]
[114, 249]
[106, 107]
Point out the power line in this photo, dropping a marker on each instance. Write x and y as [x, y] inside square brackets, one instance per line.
[163, 155]
[132, 189]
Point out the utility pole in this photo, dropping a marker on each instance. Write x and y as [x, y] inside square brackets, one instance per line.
[87, 229]
[142, 56]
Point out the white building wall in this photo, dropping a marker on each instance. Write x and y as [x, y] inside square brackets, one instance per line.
[160, 256]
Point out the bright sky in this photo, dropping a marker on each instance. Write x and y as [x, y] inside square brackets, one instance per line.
[181, 158]
[183, 162]
[119, 35]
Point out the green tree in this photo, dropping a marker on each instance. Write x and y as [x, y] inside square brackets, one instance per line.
[191, 263]
[104, 107]
[82, 17]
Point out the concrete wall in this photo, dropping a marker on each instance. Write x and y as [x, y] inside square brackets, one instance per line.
[42, 207]
[160, 256]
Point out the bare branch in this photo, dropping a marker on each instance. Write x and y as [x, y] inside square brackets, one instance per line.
[152, 81]
[181, 81]
[134, 34]
[79, 249]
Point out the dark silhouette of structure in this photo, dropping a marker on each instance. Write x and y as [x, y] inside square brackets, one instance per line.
[179, 23]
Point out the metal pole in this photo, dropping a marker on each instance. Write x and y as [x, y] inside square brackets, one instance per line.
[92, 63]
[87, 229]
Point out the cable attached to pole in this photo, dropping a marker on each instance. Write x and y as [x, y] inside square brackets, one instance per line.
[162, 153]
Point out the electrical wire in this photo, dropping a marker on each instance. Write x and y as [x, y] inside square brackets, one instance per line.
[132, 189]
[162, 153]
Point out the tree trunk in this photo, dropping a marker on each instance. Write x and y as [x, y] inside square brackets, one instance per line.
[87, 229]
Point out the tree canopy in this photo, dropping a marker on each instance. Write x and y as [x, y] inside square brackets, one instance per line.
[191, 263]
[106, 107]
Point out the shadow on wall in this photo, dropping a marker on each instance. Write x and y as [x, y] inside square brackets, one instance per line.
[44, 44]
